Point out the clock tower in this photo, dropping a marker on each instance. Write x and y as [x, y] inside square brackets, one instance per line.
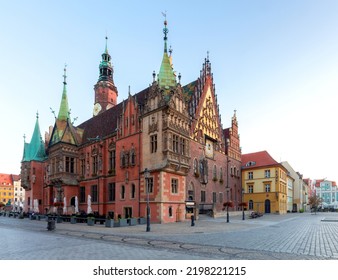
[105, 89]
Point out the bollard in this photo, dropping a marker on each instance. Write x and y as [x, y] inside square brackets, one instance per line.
[51, 224]
[192, 220]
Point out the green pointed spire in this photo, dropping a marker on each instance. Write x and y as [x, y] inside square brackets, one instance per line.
[166, 76]
[64, 108]
[106, 68]
[35, 150]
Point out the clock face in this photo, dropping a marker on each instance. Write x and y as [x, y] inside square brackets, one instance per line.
[97, 109]
[209, 148]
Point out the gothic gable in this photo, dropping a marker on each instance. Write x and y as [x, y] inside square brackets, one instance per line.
[64, 132]
[207, 121]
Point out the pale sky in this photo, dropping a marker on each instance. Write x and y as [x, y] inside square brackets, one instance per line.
[275, 62]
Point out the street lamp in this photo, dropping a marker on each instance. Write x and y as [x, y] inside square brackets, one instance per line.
[227, 189]
[146, 176]
[243, 216]
[227, 204]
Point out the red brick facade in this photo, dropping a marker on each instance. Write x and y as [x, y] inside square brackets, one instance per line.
[172, 131]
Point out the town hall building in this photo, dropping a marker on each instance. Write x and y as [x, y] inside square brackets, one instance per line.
[164, 147]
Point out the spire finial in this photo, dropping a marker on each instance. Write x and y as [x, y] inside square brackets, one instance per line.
[24, 138]
[106, 50]
[207, 56]
[64, 74]
[154, 76]
[37, 114]
[165, 31]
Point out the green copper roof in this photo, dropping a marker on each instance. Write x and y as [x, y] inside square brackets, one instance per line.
[64, 108]
[106, 69]
[166, 77]
[64, 131]
[35, 150]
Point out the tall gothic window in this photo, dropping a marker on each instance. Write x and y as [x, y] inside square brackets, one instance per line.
[123, 158]
[82, 194]
[94, 193]
[112, 160]
[214, 172]
[153, 143]
[203, 198]
[83, 166]
[111, 192]
[132, 155]
[95, 164]
[133, 191]
[150, 185]
[175, 143]
[195, 166]
[70, 164]
[123, 192]
[182, 146]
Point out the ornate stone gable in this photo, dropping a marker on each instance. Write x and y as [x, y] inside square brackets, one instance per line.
[207, 123]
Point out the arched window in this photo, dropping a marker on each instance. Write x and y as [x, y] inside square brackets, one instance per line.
[132, 159]
[170, 211]
[250, 205]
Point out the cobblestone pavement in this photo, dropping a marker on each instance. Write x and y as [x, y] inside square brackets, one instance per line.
[271, 237]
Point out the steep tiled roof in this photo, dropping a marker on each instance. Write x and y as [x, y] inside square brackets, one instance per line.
[258, 159]
[105, 124]
[101, 125]
[6, 179]
[189, 89]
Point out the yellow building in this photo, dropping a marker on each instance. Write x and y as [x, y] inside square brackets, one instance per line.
[264, 182]
[6, 188]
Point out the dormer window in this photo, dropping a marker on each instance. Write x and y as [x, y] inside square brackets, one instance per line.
[251, 163]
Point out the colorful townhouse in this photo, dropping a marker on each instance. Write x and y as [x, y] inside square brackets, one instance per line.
[264, 182]
[327, 190]
[6, 189]
[172, 131]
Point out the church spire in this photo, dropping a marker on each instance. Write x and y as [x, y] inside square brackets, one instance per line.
[166, 77]
[64, 108]
[105, 91]
[106, 69]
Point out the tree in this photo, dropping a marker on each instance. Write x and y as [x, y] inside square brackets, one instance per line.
[315, 201]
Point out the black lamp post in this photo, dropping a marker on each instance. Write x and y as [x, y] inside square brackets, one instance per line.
[243, 216]
[227, 189]
[227, 204]
[146, 176]
[59, 192]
